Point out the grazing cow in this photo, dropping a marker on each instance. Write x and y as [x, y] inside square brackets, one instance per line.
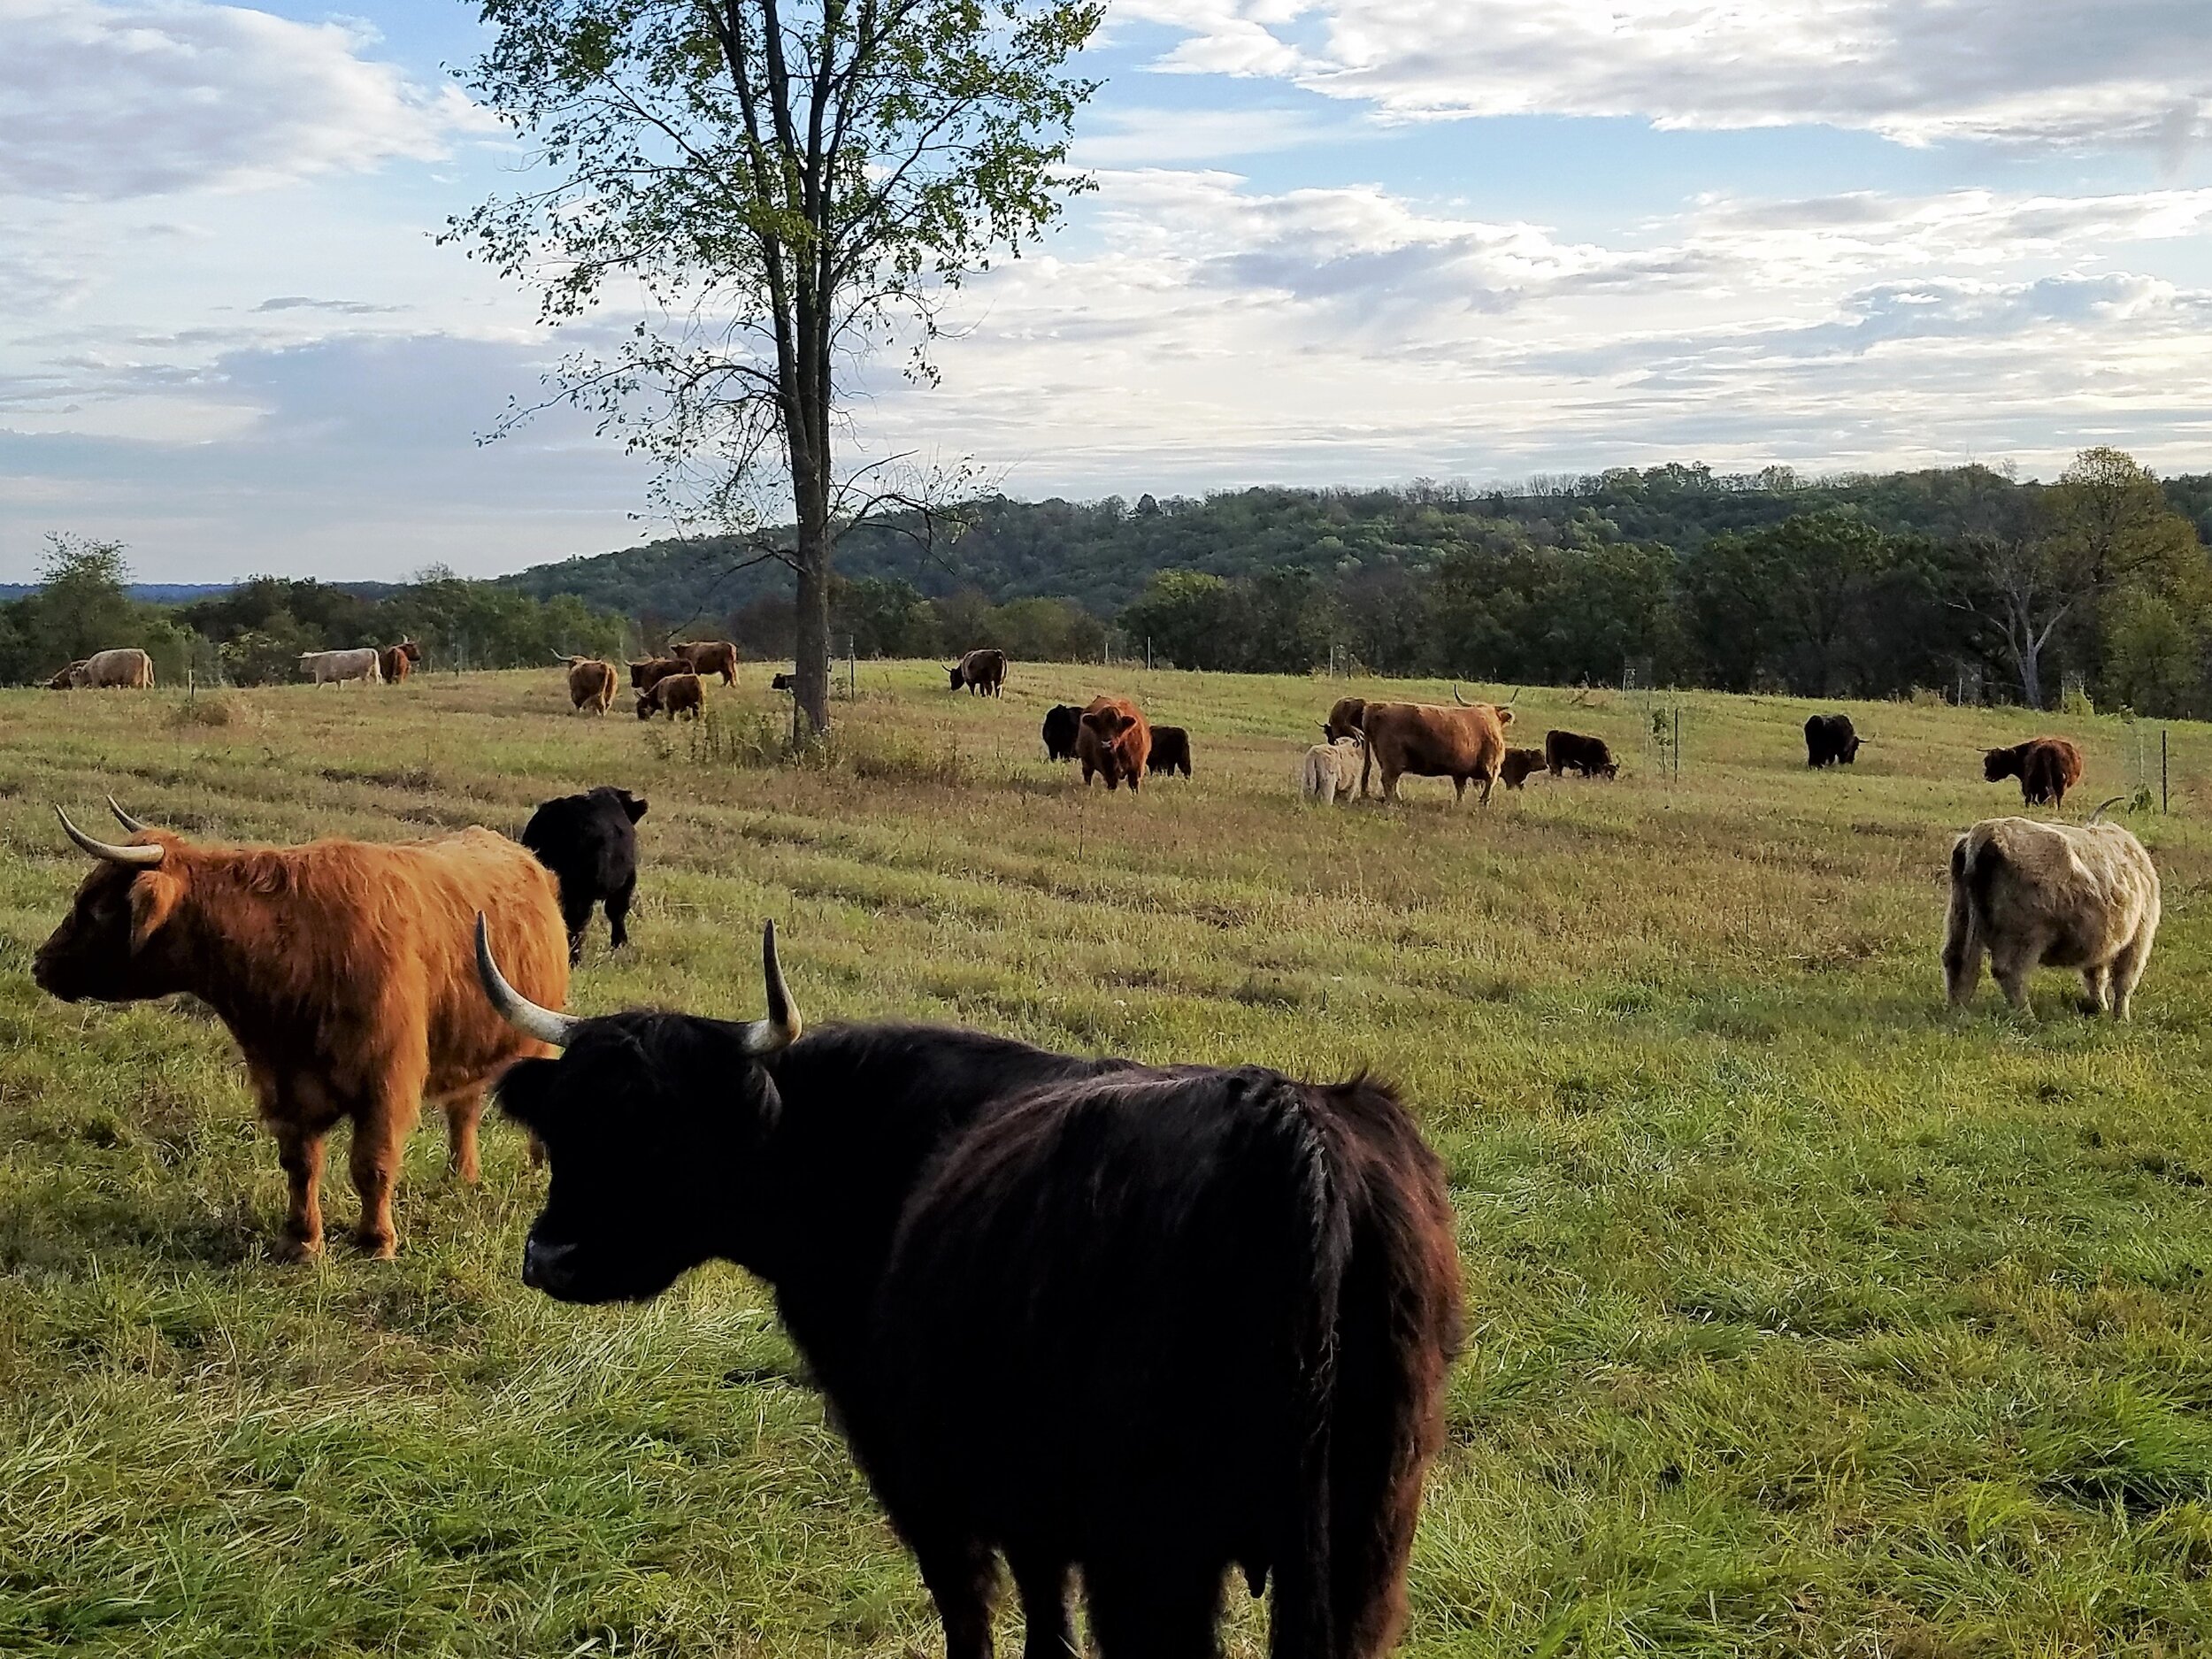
[589, 842]
[1141, 1324]
[1432, 740]
[66, 677]
[1572, 751]
[591, 684]
[1332, 772]
[326, 668]
[646, 674]
[1112, 740]
[672, 695]
[124, 669]
[1514, 770]
[1830, 741]
[1345, 719]
[342, 969]
[982, 673]
[2033, 895]
[2047, 768]
[708, 657]
[1062, 721]
[396, 661]
[784, 682]
[1170, 751]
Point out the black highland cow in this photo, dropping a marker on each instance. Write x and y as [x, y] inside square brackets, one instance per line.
[1830, 741]
[589, 842]
[1062, 723]
[1153, 1324]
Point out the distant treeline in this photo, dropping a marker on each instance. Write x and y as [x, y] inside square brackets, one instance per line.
[1960, 579]
[253, 634]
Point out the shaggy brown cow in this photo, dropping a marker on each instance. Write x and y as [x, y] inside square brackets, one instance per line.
[982, 673]
[2047, 768]
[1170, 751]
[1113, 742]
[344, 971]
[1514, 770]
[65, 677]
[126, 668]
[590, 684]
[644, 675]
[708, 657]
[398, 661]
[1344, 718]
[1566, 751]
[2031, 895]
[1432, 740]
[1830, 741]
[672, 695]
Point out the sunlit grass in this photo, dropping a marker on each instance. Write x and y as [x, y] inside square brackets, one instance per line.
[1806, 1318]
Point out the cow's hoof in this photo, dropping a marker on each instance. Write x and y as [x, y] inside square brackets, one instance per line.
[290, 1248]
[378, 1247]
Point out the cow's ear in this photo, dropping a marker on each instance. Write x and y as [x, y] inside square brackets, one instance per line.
[522, 1091]
[155, 894]
[634, 805]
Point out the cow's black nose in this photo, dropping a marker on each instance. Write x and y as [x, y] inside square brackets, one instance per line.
[542, 1263]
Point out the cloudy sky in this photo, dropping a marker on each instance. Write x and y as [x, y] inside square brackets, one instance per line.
[1333, 241]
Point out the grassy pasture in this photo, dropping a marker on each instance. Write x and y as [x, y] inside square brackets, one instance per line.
[1806, 1318]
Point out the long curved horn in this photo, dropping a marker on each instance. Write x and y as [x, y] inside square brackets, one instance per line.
[142, 857]
[124, 818]
[2099, 813]
[1461, 701]
[518, 1009]
[783, 1025]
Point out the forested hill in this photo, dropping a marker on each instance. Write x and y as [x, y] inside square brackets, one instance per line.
[1101, 554]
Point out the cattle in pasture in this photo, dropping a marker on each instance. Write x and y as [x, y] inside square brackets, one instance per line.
[1113, 741]
[589, 842]
[591, 683]
[1514, 769]
[65, 677]
[396, 661]
[1830, 741]
[123, 669]
[1062, 721]
[329, 668]
[646, 673]
[1345, 719]
[672, 695]
[1573, 751]
[1138, 1325]
[982, 673]
[708, 657]
[1170, 752]
[344, 971]
[1432, 740]
[2047, 768]
[784, 682]
[1331, 773]
[2031, 895]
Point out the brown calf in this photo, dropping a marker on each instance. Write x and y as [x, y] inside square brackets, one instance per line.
[2047, 768]
[1113, 742]
[1571, 751]
[672, 695]
[1514, 770]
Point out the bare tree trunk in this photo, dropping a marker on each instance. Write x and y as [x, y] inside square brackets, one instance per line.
[812, 621]
[2030, 658]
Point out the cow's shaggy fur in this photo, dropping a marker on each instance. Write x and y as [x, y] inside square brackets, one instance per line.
[591, 684]
[1113, 741]
[346, 973]
[1466, 744]
[1519, 765]
[1170, 751]
[1332, 772]
[2047, 768]
[1830, 741]
[589, 842]
[2031, 895]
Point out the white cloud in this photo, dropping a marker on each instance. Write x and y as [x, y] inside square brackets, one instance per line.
[2047, 71]
[105, 102]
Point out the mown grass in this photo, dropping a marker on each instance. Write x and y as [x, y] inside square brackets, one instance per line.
[1806, 1318]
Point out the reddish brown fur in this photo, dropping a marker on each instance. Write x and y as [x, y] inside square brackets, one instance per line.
[1114, 741]
[2047, 768]
[346, 973]
[1514, 770]
[1345, 719]
[983, 673]
[591, 684]
[672, 695]
[645, 675]
[1430, 740]
[709, 656]
[398, 661]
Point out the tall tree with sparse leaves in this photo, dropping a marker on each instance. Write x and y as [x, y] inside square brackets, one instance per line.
[789, 184]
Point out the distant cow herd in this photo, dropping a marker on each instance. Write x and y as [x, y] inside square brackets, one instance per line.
[1151, 1325]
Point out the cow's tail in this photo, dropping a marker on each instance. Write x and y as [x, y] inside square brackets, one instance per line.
[1973, 870]
[1302, 1621]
